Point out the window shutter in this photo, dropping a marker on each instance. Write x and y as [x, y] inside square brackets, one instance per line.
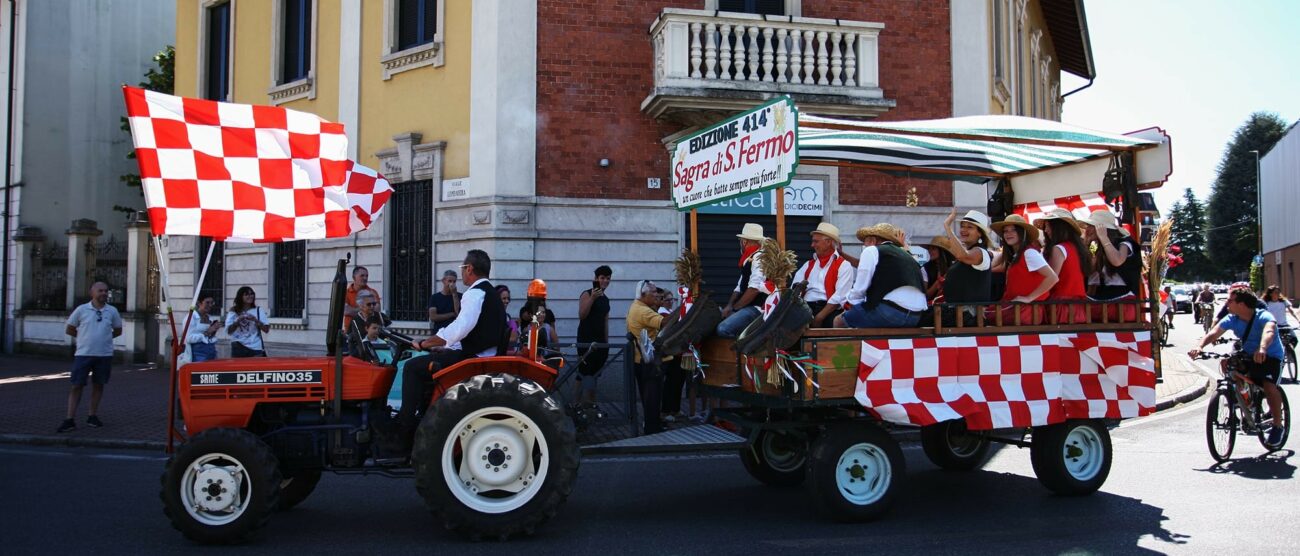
[218, 52]
[408, 23]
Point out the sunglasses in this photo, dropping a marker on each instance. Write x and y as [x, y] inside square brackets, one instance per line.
[371, 304]
[99, 315]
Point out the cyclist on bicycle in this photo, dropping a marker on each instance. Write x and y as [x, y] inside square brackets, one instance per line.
[1258, 332]
[1204, 297]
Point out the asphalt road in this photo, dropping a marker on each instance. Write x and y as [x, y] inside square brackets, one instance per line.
[1164, 495]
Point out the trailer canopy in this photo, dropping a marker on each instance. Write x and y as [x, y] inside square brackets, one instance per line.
[973, 148]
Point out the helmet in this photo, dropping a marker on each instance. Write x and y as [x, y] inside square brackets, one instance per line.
[537, 288]
[1239, 286]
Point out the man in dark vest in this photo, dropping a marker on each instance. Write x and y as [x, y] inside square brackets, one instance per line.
[888, 291]
[746, 302]
[479, 330]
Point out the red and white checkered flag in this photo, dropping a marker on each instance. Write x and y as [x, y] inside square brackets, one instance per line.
[247, 173]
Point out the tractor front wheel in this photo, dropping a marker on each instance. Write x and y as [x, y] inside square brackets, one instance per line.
[221, 486]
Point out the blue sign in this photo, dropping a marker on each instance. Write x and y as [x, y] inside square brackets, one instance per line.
[802, 198]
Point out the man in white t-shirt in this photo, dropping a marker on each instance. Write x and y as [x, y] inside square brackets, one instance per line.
[92, 326]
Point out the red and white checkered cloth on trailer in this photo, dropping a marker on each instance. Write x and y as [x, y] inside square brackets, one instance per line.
[247, 173]
[1079, 205]
[1008, 381]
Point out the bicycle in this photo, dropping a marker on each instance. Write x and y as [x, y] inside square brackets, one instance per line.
[1206, 313]
[1239, 403]
[1289, 344]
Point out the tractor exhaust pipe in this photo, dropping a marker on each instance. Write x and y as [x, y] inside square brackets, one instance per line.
[334, 336]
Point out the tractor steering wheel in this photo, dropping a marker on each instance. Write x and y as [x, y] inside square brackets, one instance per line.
[402, 340]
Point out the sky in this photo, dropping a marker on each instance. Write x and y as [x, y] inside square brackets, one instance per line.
[1196, 68]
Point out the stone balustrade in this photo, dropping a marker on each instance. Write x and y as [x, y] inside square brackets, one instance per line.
[702, 50]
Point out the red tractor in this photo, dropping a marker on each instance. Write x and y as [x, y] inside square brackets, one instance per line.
[493, 457]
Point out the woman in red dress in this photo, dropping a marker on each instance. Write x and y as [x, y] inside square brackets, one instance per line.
[1064, 247]
[1029, 277]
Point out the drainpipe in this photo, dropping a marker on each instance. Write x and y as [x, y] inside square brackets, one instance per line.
[9, 164]
[1085, 86]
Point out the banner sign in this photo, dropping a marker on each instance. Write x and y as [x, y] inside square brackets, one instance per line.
[802, 198]
[749, 153]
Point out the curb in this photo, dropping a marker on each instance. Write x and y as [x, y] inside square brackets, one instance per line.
[81, 442]
[1187, 395]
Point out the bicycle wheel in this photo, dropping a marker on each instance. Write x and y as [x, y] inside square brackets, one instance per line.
[1207, 319]
[1289, 367]
[1264, 416]
[1220, 427]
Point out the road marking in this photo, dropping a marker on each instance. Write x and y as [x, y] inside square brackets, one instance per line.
[58, 453]
[64, 375]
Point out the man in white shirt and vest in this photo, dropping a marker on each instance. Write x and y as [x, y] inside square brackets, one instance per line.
[479, 330]
[888, 291]
[829, 276]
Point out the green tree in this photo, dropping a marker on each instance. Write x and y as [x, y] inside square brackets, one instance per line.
[1188, 233]
[161, 79]
[1232, 233]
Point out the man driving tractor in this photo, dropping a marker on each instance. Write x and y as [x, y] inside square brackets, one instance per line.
[478, 331]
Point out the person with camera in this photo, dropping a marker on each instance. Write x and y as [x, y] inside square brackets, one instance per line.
[593, 327]
[1257, 329]
[202, 336]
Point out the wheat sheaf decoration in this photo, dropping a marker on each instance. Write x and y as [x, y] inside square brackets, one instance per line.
[777, 264]
[1158, 260]
[690, 272]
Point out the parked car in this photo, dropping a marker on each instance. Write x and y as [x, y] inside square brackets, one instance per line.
[1182, 299]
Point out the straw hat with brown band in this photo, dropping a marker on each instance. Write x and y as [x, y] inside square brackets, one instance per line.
[1061, 214]
[1106, 220]
[1030, 233]
[939, 242]
[887, 232]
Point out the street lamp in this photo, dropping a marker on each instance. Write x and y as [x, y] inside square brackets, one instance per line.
[1259, 210]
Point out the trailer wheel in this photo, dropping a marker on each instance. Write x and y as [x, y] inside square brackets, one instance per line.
[854, 472]
[776, 459]
[1071, 458]
[496, 457]
[950, 446]
[221, 486]
[296, 487]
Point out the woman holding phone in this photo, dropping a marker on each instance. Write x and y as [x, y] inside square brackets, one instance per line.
[245, 323]
[593, 327]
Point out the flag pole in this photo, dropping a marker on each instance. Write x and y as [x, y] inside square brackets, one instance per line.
[171, 370]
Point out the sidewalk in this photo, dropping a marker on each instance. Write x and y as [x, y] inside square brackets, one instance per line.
[34, 393]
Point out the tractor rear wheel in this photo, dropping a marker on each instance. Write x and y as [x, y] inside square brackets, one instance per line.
[221, 486]
[495, 457]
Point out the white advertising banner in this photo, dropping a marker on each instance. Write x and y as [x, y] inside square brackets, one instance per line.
[751, 152]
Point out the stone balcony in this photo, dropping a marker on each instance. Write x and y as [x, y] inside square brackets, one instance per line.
[710, 64]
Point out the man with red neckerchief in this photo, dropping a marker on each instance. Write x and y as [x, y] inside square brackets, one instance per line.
[751, 289]
[828, 275]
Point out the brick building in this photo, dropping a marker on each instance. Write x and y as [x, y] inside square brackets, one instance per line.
[540, 130]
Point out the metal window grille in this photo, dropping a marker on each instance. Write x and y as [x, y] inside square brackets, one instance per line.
[417, 22]
[296, 44]
[214, 282]
[290, 286]
[218, 55]
[410, 251]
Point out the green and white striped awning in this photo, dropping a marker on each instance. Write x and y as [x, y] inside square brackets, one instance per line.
[980, 146]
